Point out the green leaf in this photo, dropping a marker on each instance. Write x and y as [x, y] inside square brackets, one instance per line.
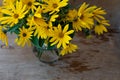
[87, 32]
[35, 41]
[16, 32]
[50, 47]
[13, 28]
[41, 42]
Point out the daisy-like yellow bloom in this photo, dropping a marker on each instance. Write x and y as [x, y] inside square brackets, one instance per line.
[34, 19]
[85, 15]
[3, 37]
[38, 24]
[81, 18]
[54, 5]
[14, 14]
[31, 4]
[69, 49]
[42, 29]
[77, 23]
[61, 37]
[74, 19]
[98, 14]
[100, 27]
[70, 15]
[24, 37]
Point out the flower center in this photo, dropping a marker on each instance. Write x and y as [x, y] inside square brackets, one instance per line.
[47, 27]
[16, 15]
[36, 19]
[24, 34]
[55, 5]
[61, 35]
[81, 17]
[75, 19]
[29, 4]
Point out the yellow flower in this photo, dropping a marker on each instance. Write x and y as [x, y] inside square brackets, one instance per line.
[3, 36]
[0, 12]
[38, 12]
[30, 20]
[81, 18]
[24, 37]
[77, 23]
[69, 49]
[31, 4]
[85, 15]
[33, 20]
[98, 14]
[53, 19]
[61, 37]
[70, 15]
[74, 19]
[14, 14]
[54, 5]
[41, 29]
[38, 24]
[100, 27]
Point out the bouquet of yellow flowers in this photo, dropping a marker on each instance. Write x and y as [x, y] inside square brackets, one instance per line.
[49, 23]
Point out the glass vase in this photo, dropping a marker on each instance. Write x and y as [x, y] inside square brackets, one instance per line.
[47, 55]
